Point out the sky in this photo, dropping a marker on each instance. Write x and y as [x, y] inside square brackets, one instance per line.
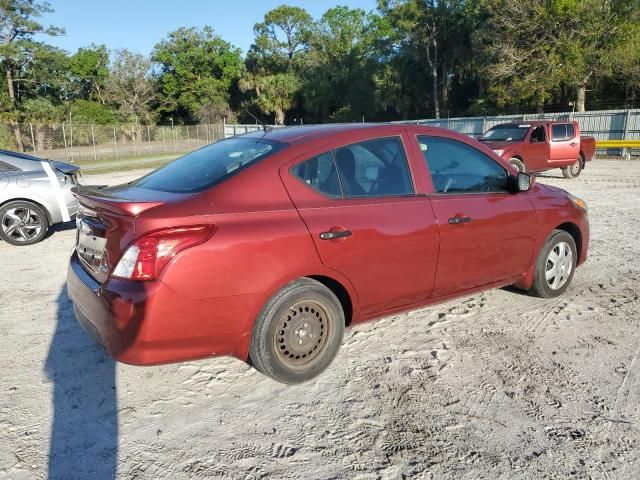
[139, 24]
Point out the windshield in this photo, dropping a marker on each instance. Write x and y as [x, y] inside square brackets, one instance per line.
[209, 165]
[505, 133]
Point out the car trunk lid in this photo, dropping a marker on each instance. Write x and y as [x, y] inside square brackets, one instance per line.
[107, 223]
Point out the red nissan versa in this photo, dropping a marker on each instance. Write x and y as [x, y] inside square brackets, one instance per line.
[266, 246]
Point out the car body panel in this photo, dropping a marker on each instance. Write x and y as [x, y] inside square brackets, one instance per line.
[30, 182]
[402, 254]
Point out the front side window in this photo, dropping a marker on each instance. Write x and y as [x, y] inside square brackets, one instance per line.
[203, 168]
[456, 167]
[538, 136]
[506, 133]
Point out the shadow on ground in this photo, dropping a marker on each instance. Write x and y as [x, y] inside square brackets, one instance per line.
[84, 433]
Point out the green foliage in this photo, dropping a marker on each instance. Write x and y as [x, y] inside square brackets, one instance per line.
[90, 67]
[196, 67]
[90, 111]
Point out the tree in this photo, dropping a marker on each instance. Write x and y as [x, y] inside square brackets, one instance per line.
[129, 87]
[195, 68]
[90, 68]
[343, 58]
[284, 32]
[564, 44]
[17, 28]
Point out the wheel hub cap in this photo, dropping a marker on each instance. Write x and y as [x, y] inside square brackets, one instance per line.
[301, 333]
[559, 265]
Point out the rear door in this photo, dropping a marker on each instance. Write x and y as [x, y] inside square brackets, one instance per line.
[360, 206]
[486, 233]
[565, 144]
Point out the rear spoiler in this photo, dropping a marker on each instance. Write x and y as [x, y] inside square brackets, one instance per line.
[94, 198]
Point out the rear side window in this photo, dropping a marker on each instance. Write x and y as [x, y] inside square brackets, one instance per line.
[320, 174]
[203, 168]
[7, 167]
[562, 131]
[456, 167]
[374, 168]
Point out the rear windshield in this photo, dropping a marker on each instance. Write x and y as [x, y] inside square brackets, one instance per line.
[203, 168]
[506, 133]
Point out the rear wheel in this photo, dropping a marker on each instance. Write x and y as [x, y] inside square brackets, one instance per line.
[555, 265]
[573, 171]
[22, 223]
[519, 164]
[298, 332]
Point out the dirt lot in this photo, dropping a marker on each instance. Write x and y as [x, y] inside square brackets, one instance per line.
[498, 385]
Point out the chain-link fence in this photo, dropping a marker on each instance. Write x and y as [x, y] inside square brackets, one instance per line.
[83, 142]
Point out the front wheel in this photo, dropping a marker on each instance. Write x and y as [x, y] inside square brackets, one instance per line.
[298, 332]
[22, 223]
[519, 164]
[573, 171]
[555, 265]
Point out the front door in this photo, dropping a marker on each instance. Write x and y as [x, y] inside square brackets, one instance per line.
[486, 233]
[366, 222]
[538, 149]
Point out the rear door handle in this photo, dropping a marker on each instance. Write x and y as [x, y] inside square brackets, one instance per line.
[459, 220]
[335, 234]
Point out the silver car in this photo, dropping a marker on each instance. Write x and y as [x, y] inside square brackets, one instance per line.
[34, 194]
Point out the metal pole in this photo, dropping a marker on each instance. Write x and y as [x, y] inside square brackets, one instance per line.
[33, 140]
[173, 134]
[64, 137]
[164, 144]
[188, 139]
[71, 135]
[625, 152]
[115, 141]
[224, 127]
[208, 142]
[93, 139]
[198, 133]
[149, 139]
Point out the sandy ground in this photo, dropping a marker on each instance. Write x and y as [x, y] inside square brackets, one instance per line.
[498, 385]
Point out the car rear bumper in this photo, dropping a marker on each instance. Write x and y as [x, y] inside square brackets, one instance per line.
[146, 323]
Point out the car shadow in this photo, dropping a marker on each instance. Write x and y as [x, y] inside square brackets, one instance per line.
[84, 431]
[60, 227]
[546, 175]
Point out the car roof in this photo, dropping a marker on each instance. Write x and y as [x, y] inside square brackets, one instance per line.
[301, 134]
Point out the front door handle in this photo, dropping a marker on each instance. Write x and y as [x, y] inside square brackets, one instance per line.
[459, 220]
[332, 235]
[573, 144]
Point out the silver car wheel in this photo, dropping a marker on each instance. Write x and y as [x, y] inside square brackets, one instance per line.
[559, 265]
[21, 224]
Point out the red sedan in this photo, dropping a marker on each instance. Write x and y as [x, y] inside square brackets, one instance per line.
[266, 246]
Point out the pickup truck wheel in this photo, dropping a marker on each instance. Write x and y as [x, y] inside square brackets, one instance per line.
[298, 332]
[22, 223]
[573, 171]
[555, 265]
[519, 164]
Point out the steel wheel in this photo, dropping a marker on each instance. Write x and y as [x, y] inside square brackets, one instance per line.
[22, 224]
[301, 334]
[298, 332]
[575, 169]
[559, 265]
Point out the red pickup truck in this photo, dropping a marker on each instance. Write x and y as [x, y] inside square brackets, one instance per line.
[539, 146]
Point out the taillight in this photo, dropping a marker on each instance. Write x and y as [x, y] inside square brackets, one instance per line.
[148, 255]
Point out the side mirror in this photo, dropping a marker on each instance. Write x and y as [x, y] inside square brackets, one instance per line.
[524, 182]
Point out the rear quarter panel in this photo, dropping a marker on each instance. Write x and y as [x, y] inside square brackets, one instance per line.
[30, 186]
[588, 147]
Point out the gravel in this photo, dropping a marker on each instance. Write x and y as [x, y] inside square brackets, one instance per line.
[497, 385]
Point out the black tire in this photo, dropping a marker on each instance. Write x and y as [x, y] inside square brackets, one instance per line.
[298, 332]
[574, 171]
[541, 286]
[31, 220]
[519, 164]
